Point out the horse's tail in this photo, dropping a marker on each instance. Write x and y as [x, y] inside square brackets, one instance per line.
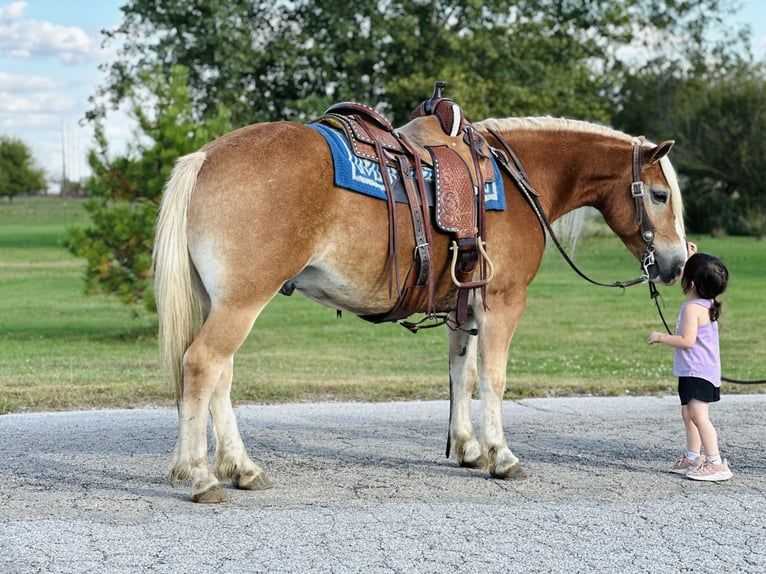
[173, 286]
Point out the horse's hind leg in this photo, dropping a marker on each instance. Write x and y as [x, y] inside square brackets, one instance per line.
[231, 459]
[463, 375]
[207, 363]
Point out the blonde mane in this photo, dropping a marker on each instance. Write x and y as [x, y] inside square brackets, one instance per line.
[676, 201]
[548, 123]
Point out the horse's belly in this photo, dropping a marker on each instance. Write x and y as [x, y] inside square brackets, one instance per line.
[340, 291]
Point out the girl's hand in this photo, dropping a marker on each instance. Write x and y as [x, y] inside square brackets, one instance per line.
[654, 337]
[691, 249]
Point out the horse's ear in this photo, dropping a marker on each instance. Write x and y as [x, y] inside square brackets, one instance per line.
[662, 149]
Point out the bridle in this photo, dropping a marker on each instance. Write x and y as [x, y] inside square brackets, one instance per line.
[644, 225]
[510, 163]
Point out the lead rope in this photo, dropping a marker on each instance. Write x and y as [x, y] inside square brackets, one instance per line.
[655, 294]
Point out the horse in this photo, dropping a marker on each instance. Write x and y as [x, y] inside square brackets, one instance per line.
[258, 209]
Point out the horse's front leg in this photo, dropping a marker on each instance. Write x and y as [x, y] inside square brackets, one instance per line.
[231, 459]
[462, 378]
[496, 329]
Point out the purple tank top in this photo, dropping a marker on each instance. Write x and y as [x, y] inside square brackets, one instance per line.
[703, 359]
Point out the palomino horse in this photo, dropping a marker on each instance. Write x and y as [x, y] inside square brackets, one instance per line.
[257, 208]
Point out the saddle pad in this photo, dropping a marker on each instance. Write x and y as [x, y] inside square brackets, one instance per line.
[363, 175]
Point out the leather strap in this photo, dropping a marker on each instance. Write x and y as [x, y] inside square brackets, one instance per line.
[422, 251]
[393, 253]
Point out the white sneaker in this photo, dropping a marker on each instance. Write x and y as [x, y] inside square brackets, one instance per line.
[711, 472]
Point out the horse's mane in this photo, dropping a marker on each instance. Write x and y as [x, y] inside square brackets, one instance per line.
[571, 225]
[675, 191]
[549, 123]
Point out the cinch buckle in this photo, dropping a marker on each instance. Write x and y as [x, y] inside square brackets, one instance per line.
[637, 189]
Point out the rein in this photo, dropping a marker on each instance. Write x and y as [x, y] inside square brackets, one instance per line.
[515, 171]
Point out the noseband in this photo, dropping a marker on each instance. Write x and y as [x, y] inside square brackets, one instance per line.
[511, 165]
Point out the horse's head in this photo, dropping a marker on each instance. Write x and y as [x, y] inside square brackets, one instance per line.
[651, 225]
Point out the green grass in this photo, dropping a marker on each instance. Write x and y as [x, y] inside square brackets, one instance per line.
[61, 349]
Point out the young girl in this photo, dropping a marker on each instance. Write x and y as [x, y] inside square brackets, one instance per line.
[697, 365]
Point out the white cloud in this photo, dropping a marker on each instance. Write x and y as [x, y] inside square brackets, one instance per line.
[28, 39]
[35, 103]
[47, 71]
[12, 83]
[13, 11]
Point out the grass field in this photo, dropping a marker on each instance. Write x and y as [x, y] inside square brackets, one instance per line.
[62, 349]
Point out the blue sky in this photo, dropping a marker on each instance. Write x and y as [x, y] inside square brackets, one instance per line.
[50, 51]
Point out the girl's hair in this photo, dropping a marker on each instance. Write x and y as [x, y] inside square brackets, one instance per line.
[708, 276]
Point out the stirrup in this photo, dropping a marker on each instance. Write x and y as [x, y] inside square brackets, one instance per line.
[483, 254]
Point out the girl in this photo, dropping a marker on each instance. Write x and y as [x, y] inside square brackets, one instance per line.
[697, 365]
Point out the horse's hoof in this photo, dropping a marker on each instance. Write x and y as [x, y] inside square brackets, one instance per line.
[469, 455]
[474, 460]
[253, 481]
[213, 495]
[512, 472]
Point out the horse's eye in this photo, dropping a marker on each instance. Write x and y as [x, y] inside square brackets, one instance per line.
[660, 196]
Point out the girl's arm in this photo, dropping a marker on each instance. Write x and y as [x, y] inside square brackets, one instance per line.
[691, 318]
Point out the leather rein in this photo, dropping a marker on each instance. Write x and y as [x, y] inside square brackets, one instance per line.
[515, 171]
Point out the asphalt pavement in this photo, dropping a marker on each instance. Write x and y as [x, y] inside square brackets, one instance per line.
[362, 487]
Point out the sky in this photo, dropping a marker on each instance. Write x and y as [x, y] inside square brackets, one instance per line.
[50, 51]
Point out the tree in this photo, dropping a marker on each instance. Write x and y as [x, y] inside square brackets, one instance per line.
[17, 171]
[724, 153]
[126, 190]
[268, 60]
[221, 45]
[718, 117]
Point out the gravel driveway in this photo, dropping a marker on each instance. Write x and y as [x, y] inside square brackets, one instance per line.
[362, 487]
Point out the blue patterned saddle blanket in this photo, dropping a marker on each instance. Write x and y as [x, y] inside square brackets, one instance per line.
[363, 175]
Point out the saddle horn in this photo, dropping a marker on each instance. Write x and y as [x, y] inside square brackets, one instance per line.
[431, 103]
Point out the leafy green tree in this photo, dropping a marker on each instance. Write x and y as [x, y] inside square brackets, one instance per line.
[126, 190]
[724, 153]
[18, 173]
[267, 60]
[221, 44]
[718, 116]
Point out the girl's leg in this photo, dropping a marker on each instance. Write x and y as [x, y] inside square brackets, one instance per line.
[698, 415]
[693, 441]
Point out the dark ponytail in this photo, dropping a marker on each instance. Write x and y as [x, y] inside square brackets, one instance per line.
[715, 310]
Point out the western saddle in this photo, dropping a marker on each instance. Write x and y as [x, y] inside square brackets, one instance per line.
[437, 136]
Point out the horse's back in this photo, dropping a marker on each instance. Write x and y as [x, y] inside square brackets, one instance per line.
[271, 173]
[258, 156]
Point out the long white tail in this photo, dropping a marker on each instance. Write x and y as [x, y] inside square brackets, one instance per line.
[176, 304]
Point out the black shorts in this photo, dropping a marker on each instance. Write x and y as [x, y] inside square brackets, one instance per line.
[696, 388]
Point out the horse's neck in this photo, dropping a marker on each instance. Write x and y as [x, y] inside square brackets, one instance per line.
[569, 170]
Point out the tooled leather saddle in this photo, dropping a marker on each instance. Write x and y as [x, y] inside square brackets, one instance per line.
[437, 136]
